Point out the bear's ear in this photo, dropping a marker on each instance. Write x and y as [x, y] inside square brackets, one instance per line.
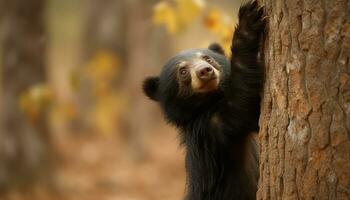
[150, 87]
[216, 48]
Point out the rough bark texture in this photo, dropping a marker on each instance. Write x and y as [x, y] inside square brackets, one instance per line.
[23, 50]
[305, 120]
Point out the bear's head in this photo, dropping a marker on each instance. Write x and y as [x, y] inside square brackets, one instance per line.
[189, 80]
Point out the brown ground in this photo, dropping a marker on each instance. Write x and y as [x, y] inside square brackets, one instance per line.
[95, 168]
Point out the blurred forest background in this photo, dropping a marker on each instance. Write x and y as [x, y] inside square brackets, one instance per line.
[74, 123]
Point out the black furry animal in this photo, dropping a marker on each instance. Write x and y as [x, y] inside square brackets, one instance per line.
[215, 103]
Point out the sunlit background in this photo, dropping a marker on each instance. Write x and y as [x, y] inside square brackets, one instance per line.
[74, 123]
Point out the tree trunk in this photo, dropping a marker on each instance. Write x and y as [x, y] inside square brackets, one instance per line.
[105, 27]
[139, 33]
[23, 50]
[146, 53]
[305, 119]
[104, 32]
[120, 28]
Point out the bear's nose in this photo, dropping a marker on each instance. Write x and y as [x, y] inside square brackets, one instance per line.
[205, 73]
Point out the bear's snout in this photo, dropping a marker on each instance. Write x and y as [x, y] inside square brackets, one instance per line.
[205, 73]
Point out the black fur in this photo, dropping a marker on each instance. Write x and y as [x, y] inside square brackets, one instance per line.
[150, 86]
[216, 48]
[217, 127]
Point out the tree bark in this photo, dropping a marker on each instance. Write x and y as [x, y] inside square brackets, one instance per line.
[23, 50]
[305, 119]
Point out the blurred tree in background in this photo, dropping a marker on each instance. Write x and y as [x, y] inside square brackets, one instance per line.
[116, 44]
[24, 136]
[104, 50]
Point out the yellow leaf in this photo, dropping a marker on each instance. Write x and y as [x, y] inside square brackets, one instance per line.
[213, 20]
[35, 101]
[105, 114]
[178, 14]
[103, 65]
[188, 10]
[101, 71]
[164, 14]
[221, 25]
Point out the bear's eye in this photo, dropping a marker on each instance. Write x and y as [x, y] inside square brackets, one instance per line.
[208, 59]
[183, 71]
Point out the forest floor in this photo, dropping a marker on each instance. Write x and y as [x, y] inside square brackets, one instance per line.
[91, 167]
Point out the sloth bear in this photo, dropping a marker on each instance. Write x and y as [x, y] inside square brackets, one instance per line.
[215, 104]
